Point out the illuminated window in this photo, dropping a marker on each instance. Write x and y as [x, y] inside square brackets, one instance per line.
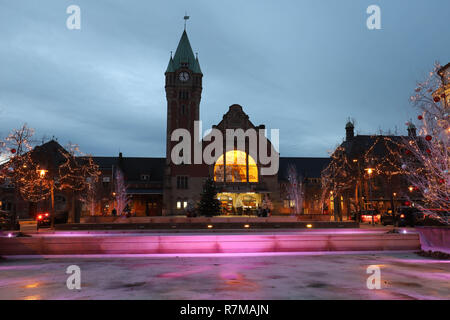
[236, 168]
[184, 204]
[178, 204]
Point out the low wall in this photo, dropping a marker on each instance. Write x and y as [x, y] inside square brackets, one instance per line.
[203, 223]
[179, 244]
[435, 238]
[180, 219]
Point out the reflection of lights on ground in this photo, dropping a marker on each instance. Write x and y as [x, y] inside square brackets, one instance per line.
[233, 278]
[237, 281]
[36, 297]
[181, 274]
[32, 285]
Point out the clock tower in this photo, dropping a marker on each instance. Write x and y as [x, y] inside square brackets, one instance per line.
[183, 94]
[183, 91]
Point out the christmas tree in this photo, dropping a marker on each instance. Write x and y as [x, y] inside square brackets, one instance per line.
[209, 205]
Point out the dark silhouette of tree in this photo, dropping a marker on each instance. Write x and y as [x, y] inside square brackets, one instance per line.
[209, 206]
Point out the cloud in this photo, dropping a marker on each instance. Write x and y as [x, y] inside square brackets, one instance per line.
[302, 67]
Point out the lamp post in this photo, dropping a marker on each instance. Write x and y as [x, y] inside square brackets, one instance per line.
[369, 172]
[42, 175]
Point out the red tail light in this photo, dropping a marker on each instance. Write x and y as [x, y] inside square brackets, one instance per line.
[46, 214]
[402, 216]
[39, 217]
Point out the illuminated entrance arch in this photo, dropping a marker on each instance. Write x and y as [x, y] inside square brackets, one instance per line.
[236, 167]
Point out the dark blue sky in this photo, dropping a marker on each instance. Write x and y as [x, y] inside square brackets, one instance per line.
[301, 66]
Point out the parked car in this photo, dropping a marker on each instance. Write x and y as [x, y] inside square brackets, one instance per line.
[388, 217]
[407, 216]
[43, 220]
[369, 216]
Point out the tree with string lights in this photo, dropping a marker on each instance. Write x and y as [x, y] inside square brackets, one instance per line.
[339, 176]
[78, 174]
[425, 158]
[36, 173]
[17, 166]
[362, 169]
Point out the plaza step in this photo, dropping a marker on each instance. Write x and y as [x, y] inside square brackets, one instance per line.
[83, 243]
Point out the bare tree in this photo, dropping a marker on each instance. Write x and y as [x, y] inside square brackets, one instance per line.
[120, 189]
[295, 189]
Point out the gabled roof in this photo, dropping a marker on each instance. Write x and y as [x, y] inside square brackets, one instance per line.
[184, 54]
[49, 155]
[133, 167]
[360, 144]
[306, 167]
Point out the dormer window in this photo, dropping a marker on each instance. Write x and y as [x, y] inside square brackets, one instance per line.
[145, 177]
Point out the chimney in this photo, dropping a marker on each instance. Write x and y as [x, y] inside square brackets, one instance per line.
[120, 164]
[412, 131]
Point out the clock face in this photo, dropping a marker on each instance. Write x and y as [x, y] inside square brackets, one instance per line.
[183, 76]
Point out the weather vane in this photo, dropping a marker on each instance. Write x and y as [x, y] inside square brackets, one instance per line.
[186, 18]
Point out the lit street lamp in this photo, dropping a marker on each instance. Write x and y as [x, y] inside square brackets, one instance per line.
[42, 174]
[370, 171]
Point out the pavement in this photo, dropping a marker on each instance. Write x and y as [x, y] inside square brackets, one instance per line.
[404, 275]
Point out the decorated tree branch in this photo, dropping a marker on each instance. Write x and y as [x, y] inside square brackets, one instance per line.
[425, 158]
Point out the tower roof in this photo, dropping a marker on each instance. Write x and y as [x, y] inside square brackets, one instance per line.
[349, 125]
[184, 55]
[170, 67]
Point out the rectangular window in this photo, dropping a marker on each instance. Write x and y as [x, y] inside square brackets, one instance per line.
[145, 177]
[286, 203]
[178, 204]
[183, 95]
[182, 182]
[184, 204]
[106, 179]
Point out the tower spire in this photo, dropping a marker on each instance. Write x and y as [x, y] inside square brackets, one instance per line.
[186, 18]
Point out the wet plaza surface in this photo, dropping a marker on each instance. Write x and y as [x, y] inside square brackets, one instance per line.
[221, 276]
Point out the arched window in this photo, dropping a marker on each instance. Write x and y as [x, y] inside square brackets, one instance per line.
[236, 167]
